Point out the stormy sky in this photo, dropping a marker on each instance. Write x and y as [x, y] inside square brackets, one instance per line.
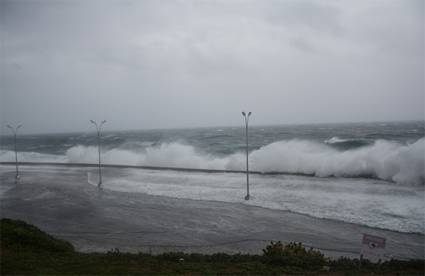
[168, 64]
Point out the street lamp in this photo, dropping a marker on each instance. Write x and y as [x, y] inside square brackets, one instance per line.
[246, 137]
[98, 128]
[15, 131]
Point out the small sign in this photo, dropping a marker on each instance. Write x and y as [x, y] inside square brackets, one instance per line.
[373, 247]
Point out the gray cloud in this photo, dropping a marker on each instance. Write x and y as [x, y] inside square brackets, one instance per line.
[148, 64]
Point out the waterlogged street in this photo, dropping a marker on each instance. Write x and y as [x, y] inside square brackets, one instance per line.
[147, 210]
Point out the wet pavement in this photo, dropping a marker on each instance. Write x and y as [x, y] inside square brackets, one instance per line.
[60, 201]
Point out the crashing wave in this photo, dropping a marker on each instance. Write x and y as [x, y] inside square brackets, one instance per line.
[391, 161]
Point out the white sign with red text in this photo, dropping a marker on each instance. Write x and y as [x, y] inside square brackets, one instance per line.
[373, 247]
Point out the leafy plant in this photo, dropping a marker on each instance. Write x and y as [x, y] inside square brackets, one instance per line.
[26, 250]
[293, 254]
[19, 234]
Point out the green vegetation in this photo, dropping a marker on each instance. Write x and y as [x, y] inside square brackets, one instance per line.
[27, 250]
[294, 255]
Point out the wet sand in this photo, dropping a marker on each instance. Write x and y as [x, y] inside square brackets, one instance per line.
[61, 202]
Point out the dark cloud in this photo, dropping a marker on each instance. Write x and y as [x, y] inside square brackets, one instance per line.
[145, 64]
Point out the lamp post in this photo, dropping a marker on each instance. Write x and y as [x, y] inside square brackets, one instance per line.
[15, 131]
[98, 129]
[246, 117]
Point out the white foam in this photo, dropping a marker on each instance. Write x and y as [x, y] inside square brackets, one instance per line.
[9, 156]
[404, 164]
[385, 160]
[335, 139]
[361, 201]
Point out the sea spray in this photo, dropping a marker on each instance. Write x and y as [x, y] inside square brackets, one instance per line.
[383, 159]
[387, 160]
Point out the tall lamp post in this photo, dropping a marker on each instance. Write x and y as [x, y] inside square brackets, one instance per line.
[98, 129]
[246, 117]
[15, 131]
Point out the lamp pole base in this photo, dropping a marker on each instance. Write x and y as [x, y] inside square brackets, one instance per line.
[247, 197]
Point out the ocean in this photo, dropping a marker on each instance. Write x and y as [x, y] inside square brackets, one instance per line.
[364, 173]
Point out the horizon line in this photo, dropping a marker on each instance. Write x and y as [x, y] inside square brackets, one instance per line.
[218, 126]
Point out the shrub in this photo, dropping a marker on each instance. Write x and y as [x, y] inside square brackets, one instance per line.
[20, 235]
[293, 254]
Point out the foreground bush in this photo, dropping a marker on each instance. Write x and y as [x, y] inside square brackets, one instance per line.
[293, 254]
[23, 236]
[25, 250]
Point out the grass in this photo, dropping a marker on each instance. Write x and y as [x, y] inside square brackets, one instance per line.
[26, 250]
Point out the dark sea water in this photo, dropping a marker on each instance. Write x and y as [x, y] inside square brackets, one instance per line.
[392, 151]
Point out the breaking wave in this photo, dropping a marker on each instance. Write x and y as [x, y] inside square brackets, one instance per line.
[346, 144]
[383, 159]
[391, 161]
